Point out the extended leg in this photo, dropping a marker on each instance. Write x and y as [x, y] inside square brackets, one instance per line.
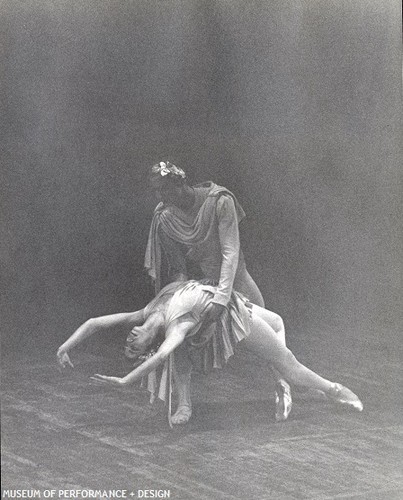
[264, 342]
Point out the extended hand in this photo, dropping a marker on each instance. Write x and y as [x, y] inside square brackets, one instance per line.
[105, 379]
[212, 313]
[63, 359]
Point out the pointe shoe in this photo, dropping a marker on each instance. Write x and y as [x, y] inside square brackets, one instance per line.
[182, 415]
[342, 395]
[283, 401]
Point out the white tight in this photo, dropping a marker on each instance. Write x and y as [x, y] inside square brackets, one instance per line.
[269, 343]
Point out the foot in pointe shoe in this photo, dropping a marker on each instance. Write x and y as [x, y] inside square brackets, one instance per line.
[182, 415]
[342, 395]
[283, 401]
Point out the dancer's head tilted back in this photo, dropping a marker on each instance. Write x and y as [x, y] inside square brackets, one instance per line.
[147, 337]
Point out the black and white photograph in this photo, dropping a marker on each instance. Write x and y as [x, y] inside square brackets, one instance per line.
[201, 249]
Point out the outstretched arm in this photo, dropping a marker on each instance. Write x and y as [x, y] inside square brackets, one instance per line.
[175, 335]
[94, 325]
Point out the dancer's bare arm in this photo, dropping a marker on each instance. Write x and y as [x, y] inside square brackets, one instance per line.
[175, 335]
[94, 325]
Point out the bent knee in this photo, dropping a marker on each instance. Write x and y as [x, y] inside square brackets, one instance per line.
[274, 320]
[278, 323]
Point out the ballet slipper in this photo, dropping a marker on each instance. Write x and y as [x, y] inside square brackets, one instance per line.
[283, 401]
[182, 415]
[342, 395]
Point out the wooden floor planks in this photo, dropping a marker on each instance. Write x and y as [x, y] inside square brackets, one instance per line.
[63, 432]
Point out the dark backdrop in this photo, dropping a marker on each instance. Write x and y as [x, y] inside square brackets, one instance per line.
[294, 106]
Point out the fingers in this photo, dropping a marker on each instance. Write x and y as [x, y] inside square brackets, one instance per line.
[99, 380]
[105, 379]
[97, 376]
[64, 360]
[208, 312]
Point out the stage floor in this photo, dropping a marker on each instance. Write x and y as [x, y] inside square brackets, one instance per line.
[62, 432]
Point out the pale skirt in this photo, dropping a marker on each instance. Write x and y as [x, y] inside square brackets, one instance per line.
[210, 347]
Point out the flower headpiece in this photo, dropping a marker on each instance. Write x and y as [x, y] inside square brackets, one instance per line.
[164, 168]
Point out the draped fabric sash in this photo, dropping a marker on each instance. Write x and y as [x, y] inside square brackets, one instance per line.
[170, 221]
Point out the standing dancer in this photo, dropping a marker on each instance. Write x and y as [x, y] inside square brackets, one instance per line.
[199, 225]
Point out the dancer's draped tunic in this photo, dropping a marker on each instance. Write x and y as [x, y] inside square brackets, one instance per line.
[209, 347]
